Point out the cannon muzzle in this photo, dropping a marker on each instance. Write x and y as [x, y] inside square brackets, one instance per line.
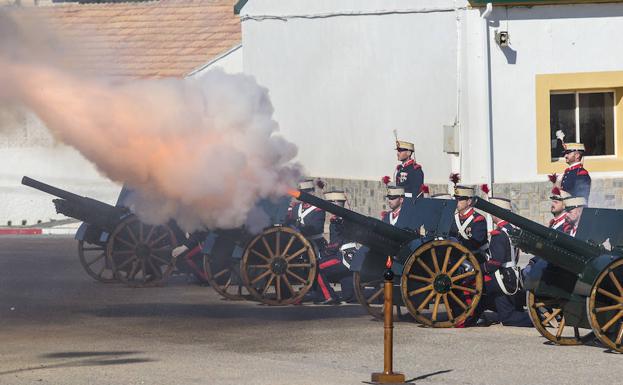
[57, 192]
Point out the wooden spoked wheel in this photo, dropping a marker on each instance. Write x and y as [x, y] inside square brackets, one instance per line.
[140, 254]
[94, 261]
[548, 318]
[223, 275]
[441, 284]
[605, 306]
[371, 295]
[278, 266]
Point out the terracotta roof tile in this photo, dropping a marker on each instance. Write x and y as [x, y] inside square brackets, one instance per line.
[143, 39]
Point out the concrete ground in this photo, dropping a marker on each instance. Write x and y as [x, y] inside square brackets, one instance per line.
[58, 326]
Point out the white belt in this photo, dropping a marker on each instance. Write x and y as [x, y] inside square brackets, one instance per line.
[509, 264]
[409, 195]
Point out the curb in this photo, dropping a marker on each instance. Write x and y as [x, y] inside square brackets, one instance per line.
[64, 229]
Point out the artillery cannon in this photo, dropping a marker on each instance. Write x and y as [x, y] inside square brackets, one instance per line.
[436, 278]
[575, 282]
[113, 245]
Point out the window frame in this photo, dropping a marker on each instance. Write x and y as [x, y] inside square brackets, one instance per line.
[545, 85]
[577, 93]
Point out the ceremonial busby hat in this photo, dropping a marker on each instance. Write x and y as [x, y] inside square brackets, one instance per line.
[395, 192]
[306, 185]
[501, 202]
[336, 195]
[463, 192]
[570, 147]
[401, 144]
[574, 202]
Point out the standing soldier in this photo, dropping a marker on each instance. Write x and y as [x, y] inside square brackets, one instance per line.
[469, 227]
[574, 207]
[575, 179]
[409, 175]
[395, 198]
[334, 263]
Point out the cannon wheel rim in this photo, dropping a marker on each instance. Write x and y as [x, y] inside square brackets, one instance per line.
[304, 254]
[227, 289]
[158, 238]
[441, 270]
[376, 310]
[538, 318]
[105, 274]
[593, 307]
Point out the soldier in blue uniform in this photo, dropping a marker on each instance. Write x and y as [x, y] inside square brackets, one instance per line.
[469, 227]
[409, 175]
[308, 219]
[574, 207]
[335, 261]
[575, 180]
[558, 209]
[502, 292]
[395, 199]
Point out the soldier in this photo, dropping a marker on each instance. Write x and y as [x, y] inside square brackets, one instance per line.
[334, 263]
[308, 219]
[574, 207]
[558, 209]
[395, 198]
[501, 274]
[409, 174]
[469, 227]
[575, 179]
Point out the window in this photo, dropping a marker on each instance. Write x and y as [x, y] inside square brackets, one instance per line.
[586, 117]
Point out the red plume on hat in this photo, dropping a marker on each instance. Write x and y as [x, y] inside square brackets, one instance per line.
[386, 179]
[485, 188]
[424, 189]
[555, 191]
[552, 177]
[320, 184]
[455, 178]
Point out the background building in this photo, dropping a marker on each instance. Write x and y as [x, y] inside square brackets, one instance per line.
[124, 40]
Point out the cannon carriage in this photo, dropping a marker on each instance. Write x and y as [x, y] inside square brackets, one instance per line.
[113, 244]
[437, 279]
[574, 286]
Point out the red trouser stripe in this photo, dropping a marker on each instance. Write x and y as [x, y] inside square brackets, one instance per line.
[323, 287]
[329, 263]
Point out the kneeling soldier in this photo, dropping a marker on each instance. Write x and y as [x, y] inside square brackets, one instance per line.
[574, 207]
[334, 263]
[502, 283]
[469, 227]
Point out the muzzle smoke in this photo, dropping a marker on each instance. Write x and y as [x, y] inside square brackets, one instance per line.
[200, 150]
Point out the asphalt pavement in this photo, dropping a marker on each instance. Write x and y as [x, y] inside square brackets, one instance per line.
[58, 326]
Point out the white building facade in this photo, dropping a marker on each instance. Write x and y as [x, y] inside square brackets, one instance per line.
[343, 74]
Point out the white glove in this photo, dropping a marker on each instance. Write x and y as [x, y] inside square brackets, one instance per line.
[560, 135]
[178, 250]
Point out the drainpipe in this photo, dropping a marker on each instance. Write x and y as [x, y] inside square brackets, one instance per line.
[487, 56]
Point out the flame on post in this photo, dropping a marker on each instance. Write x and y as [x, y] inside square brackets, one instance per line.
[388, 263]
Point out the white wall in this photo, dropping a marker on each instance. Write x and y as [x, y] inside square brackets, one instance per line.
[341, 83]
[28, 149]
[547, 40]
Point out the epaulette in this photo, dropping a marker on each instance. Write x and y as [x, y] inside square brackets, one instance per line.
[495, 232]
[478, 218]
[317, 209]
[383, 214]
[582, 172]
[416, 166]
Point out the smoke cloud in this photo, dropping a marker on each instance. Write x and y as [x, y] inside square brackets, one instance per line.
[200, 150]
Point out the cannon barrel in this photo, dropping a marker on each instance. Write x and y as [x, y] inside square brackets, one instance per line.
[82, 208]
[57, 192]
[554, 246]
[367, 230]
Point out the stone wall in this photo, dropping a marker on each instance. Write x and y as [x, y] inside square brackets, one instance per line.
[529, 199]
